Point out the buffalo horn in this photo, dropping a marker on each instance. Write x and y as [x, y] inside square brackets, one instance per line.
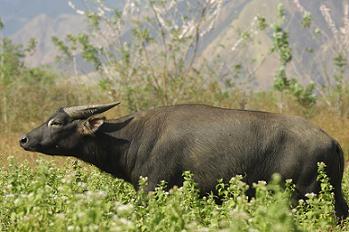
[82, 112]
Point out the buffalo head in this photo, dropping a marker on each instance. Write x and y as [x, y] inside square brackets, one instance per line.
[62, 133]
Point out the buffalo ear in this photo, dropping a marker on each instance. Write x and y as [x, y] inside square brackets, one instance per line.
[91, 125]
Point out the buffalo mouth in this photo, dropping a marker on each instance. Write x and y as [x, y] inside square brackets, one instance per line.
[29, 149]
[33, 148]
[44, 150]
[29, 144]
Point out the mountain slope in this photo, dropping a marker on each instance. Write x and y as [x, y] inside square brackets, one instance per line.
[42, 28]
[312, 54]
[16, 13]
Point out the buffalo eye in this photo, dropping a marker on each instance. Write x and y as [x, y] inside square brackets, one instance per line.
[55, 123]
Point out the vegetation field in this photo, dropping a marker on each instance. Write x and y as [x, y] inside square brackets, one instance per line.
[77, 197]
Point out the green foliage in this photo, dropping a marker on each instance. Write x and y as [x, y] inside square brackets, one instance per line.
[93, 19]
[31, 46]
[1, 25]
[316, 212]
[261, 23]
[304, 94]
[272, 202]
[16, 81]
[281, 45]
[340, 63]
[307, 20]
[281, 12]
[81, 198]
[281, 81]
[64, 49]
[11, 63]
[89, 52]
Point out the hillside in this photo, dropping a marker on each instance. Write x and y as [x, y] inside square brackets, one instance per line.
[17, 13]
[312, 53]
[42, 28]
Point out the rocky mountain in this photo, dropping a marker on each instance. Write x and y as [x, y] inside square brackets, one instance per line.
[312, 47]
[42, 28]
[17, 13]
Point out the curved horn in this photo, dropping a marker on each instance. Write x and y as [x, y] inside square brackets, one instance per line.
[81, 112]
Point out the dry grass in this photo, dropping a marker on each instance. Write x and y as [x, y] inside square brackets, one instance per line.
[27, 108]
[9, 147]
[333, 124]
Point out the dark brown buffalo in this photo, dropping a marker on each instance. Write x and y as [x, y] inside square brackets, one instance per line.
[211, 142]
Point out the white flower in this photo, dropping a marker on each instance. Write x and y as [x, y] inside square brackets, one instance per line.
[123, 209]
[310, 195]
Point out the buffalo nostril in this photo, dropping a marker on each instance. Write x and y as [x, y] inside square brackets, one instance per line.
[24, 140]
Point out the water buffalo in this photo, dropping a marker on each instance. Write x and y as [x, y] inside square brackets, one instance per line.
[211, 142]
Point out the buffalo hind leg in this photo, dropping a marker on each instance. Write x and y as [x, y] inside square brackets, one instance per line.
[341, 205]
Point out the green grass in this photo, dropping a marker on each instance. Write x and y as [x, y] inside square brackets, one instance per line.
[78, 197]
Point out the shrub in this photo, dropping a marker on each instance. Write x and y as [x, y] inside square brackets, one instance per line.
[81, 198]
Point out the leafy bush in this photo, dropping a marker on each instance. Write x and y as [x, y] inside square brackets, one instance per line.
[81, 198]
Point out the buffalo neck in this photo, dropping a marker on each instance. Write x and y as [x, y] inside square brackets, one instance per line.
[106, 152]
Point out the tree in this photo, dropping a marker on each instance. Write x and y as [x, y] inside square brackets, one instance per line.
[11, 61]
[159, 55]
